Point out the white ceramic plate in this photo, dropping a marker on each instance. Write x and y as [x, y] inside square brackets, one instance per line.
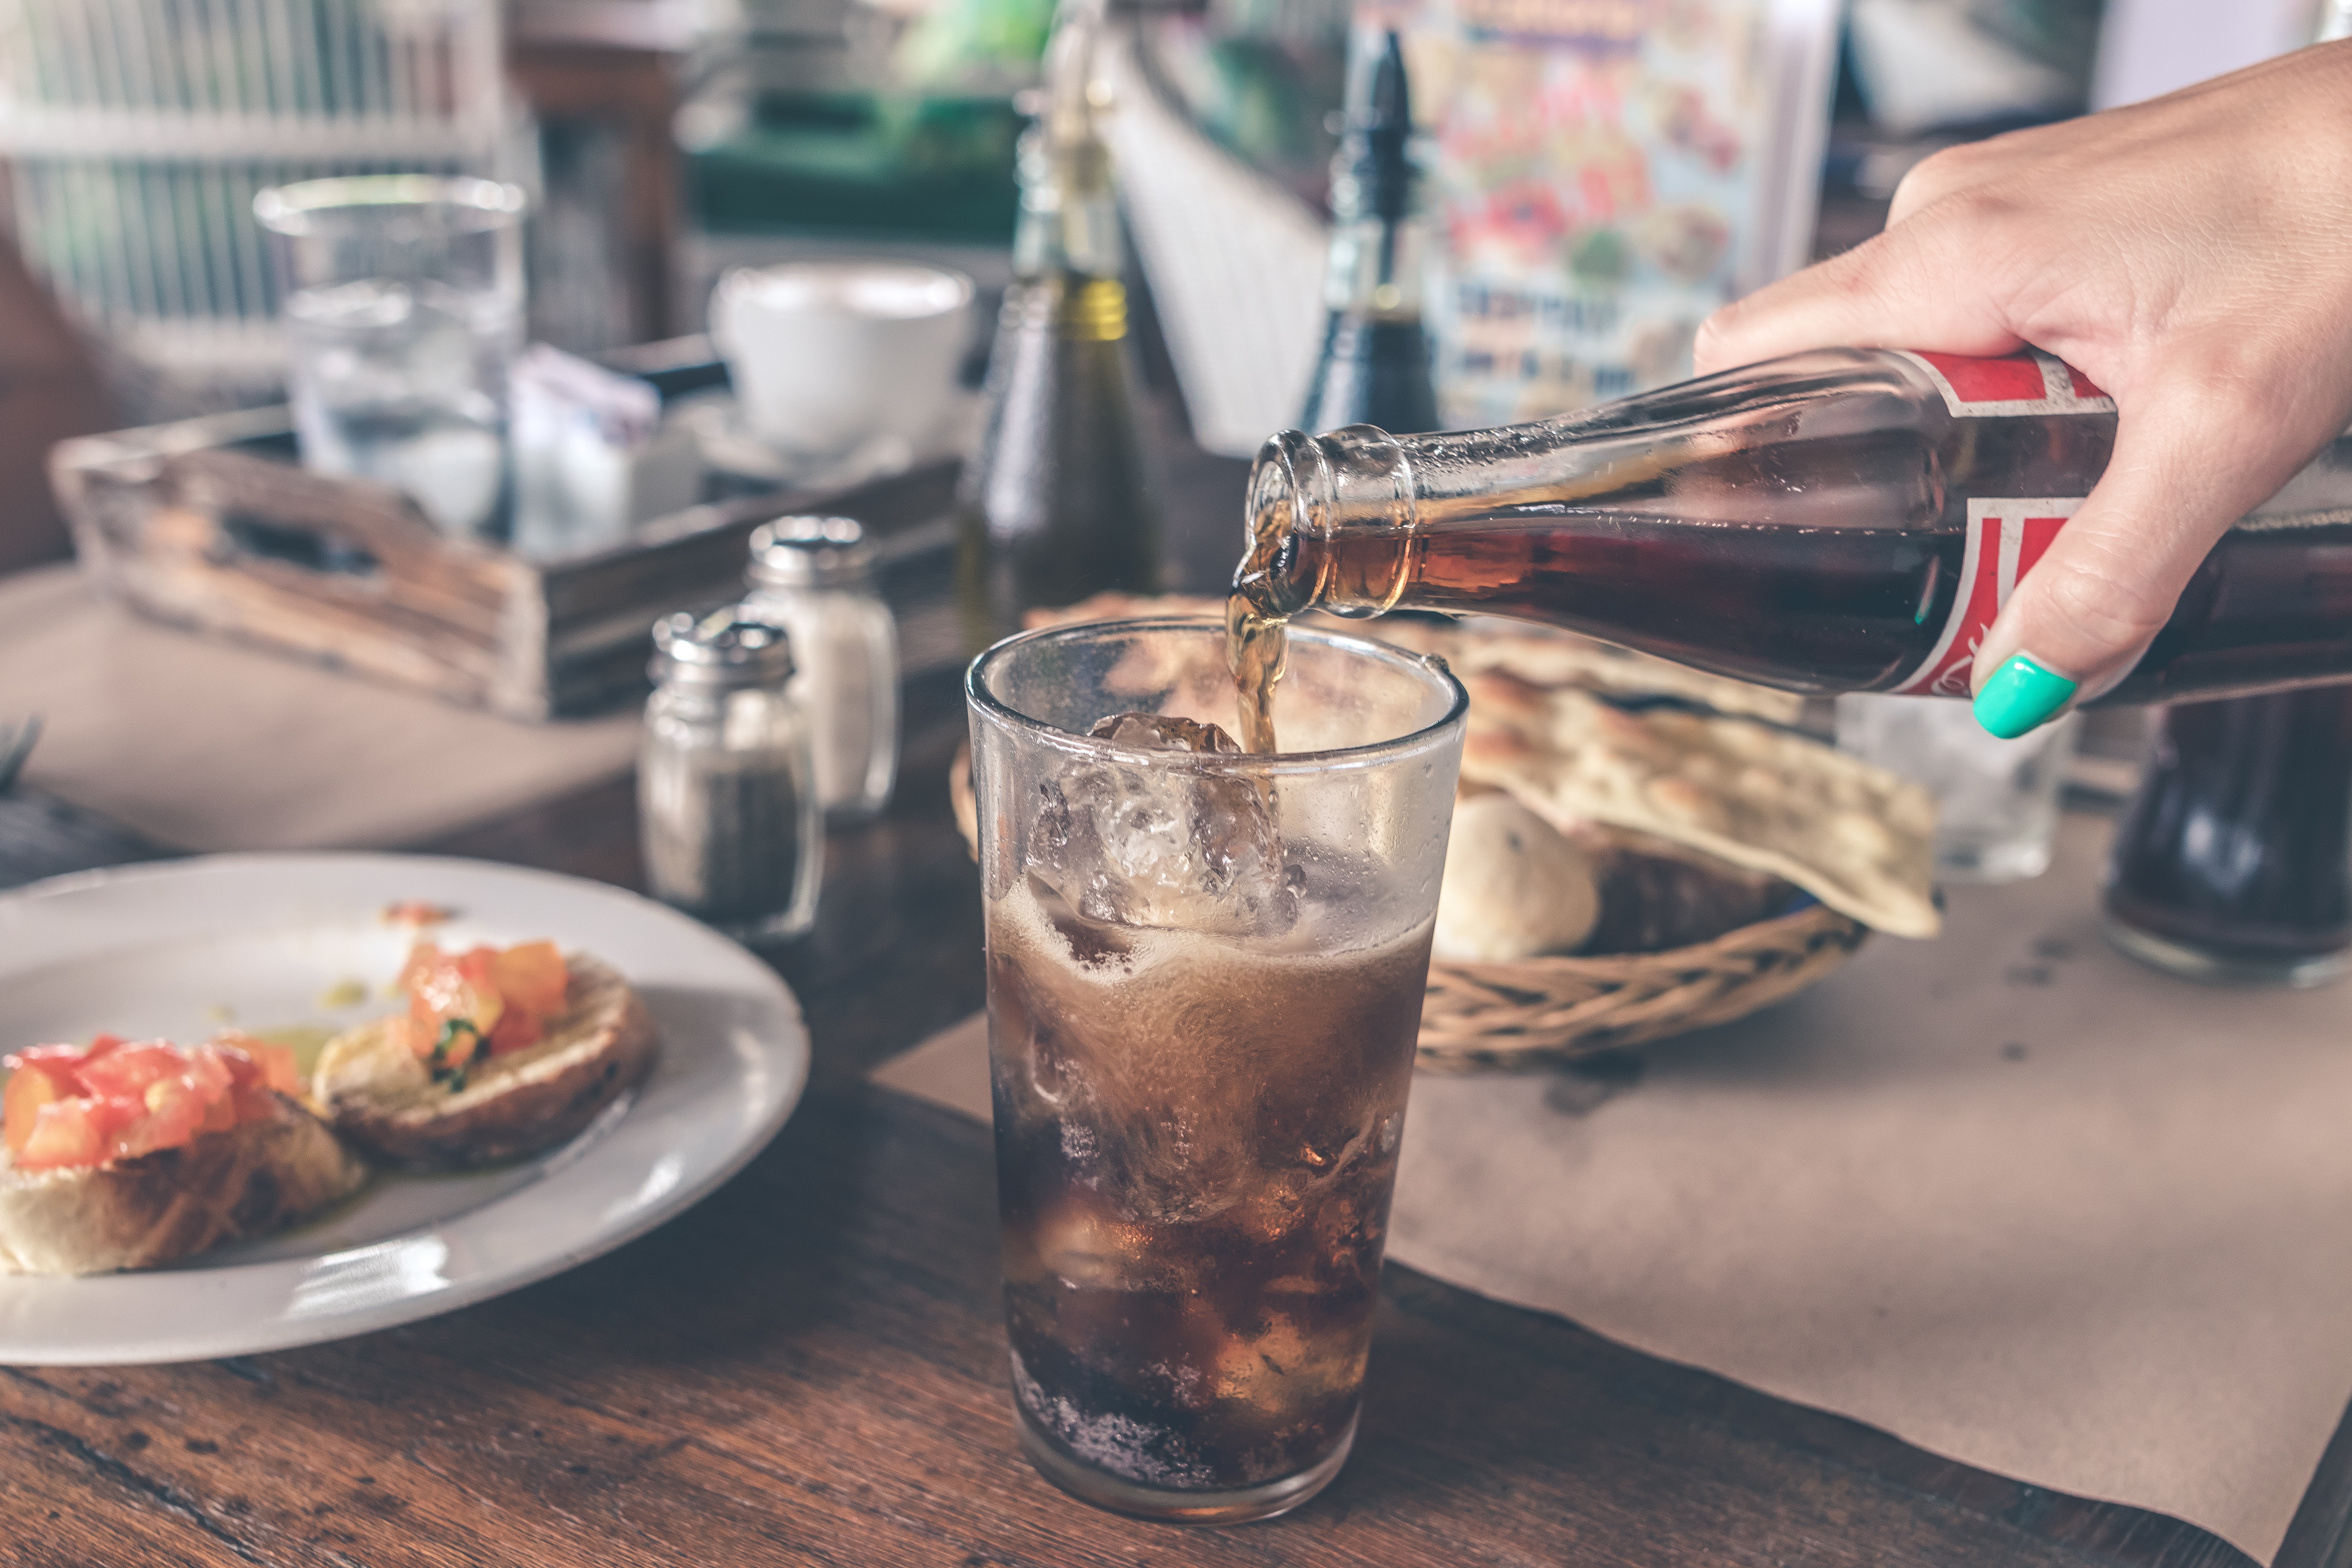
[178, 949]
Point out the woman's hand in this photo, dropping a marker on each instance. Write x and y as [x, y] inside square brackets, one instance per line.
[2193, 256]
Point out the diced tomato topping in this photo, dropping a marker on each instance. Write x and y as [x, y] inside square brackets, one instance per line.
[480, 1002]
[125, 1074]
[29, 1090]
[532, 976]
[446, 987]
[121, 1098]
[515, 1031]
[63, 1133]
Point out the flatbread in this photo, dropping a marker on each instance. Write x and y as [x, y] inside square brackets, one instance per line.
[1856, 836]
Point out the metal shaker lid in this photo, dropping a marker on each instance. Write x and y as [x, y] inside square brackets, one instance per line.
[734, 646]
[810, 552]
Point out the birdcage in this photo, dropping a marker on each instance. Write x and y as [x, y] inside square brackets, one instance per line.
[135, 133]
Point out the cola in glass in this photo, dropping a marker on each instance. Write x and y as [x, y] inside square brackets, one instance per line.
[1844, 520]
[1196, 1138]
[2233, 861]
[1205, 972]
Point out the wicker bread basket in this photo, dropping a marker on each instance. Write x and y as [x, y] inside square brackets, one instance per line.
[1538, 1010]
[1481, 1017]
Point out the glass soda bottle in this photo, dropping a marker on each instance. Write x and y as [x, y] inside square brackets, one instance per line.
[1054, 502]
[1844, 520]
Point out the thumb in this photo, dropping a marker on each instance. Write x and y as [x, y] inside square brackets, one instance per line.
[2185, 468]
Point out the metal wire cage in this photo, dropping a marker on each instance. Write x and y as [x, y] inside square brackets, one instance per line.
[135, 134]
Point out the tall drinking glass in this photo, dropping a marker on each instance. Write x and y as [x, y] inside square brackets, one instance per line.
[1205, 978]
[403, 297]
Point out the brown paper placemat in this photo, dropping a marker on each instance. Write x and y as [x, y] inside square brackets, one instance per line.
[208, 745]
[2007, 1194]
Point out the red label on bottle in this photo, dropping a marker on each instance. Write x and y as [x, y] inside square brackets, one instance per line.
[2006, 537]
[2028, 382]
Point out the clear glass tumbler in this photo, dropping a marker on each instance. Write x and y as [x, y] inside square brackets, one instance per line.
[403, 297]
[1206, 979]
[1996, 800]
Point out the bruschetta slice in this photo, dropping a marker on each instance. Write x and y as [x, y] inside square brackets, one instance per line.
[397, 1088]
[128, 1154]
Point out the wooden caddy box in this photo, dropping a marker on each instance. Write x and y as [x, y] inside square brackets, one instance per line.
[210, 523]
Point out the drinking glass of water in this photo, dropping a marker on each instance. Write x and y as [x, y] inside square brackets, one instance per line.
[1996, 800]
[403, 297]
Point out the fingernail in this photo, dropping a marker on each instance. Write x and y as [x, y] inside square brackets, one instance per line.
[2021, 695]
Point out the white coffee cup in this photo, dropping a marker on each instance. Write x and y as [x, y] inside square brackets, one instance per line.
[827, 356]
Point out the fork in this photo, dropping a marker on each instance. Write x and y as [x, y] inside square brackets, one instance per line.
[15, 745]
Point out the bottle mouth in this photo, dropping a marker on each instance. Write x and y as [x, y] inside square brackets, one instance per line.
[1276, 576]
[1305, 492]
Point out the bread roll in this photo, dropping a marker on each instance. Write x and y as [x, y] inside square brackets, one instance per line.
[1514, 887]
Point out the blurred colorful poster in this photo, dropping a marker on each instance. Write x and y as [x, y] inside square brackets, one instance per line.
[1600, 175]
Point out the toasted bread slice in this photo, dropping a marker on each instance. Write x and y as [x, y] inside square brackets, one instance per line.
[381, 1096]
[252, 1179]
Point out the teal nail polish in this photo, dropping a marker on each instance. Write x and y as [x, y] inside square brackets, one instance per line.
[2021, 695]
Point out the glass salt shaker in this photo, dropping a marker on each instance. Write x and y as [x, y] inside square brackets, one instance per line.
[814, 577]
[726, 791]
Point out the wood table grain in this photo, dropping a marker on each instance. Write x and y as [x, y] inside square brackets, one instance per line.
[808, 1367]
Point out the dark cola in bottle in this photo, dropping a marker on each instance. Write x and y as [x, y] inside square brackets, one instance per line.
[1845, 520]
[2235, 861]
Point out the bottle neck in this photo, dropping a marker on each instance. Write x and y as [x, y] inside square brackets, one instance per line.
[1377, 234]
[1069, 210]
[1068, 255]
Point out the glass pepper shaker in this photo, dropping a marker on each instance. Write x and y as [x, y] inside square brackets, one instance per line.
[726, 799]
[814, 577]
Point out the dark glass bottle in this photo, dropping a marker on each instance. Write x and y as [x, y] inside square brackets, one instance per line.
[1374, 368]
[1054, 501]
[2234, 861]
[1845, 520]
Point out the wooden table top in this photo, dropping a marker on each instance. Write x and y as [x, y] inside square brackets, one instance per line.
[809, 1366]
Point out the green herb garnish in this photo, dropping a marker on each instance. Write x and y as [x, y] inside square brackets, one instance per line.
[452, 1030]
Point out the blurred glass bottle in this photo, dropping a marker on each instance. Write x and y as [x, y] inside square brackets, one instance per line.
[2235, 861]
[1375, 368]
[1055, 501]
